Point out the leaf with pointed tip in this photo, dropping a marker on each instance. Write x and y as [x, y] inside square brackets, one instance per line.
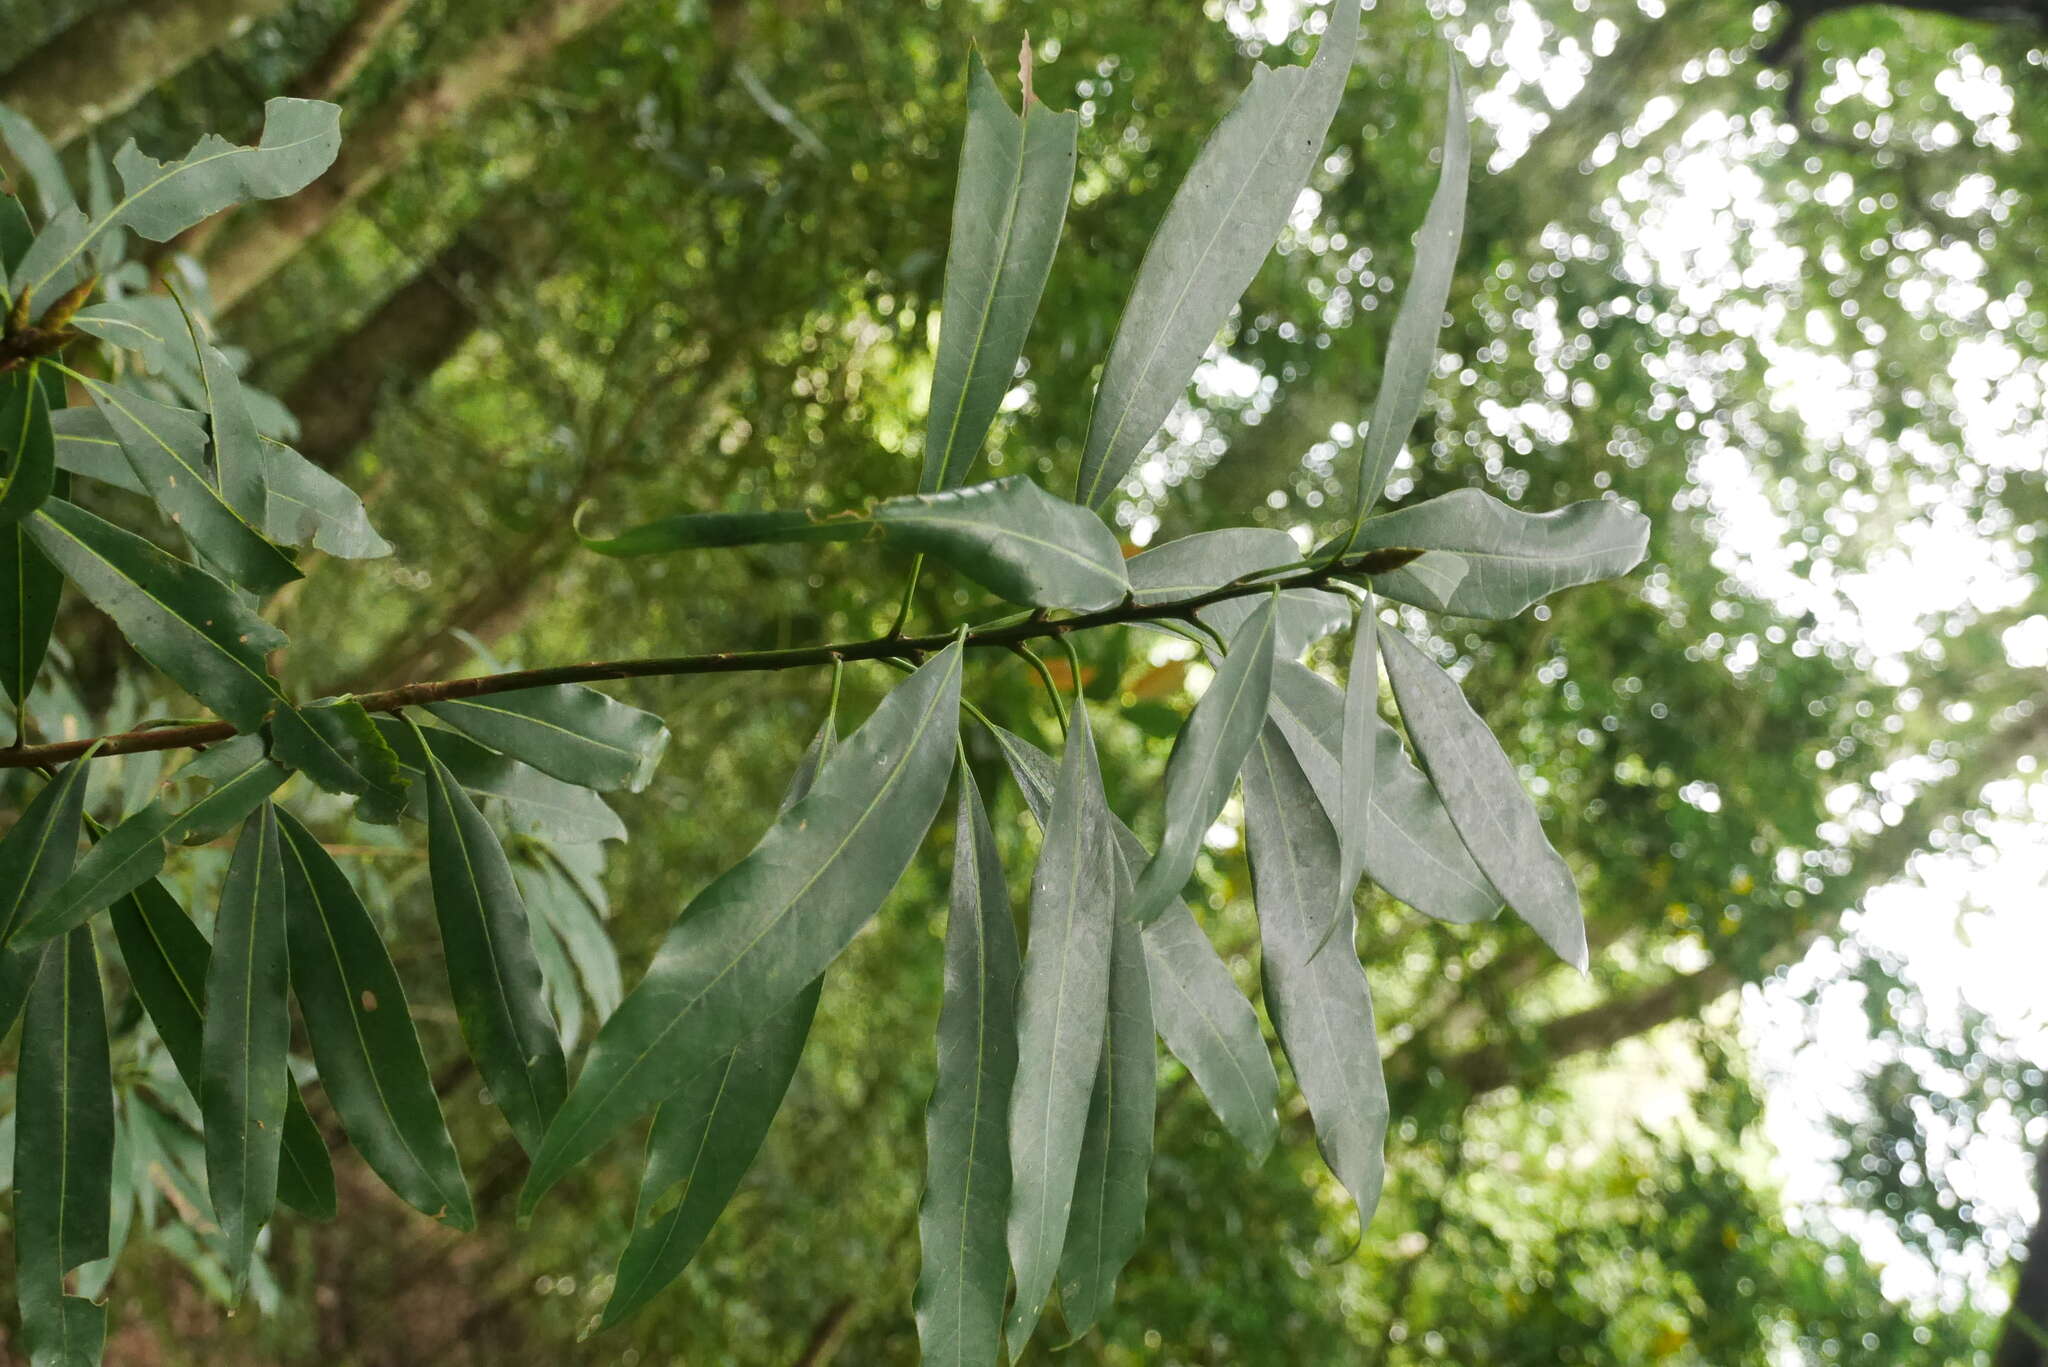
[337, 746]
[30, 587]
[167, 447]
[245, 1080]
[306, 506]
[1411, 346]
[1206, 561]
[1206, 758]
[38, 852]
[182, 619]
[1016, 174]
[1320, 1003]
[1062, 1014]
[1484, 796]
[1305, 617]
[1411, 848]
[150, 325]
[28, 447]
[1205, 1021]
[33, 152]
[534, 803]
[168, 961]
[1512, 559]
[492, 973]
[15, 235]
[555, 900]
[574, 733]
[238, 455]
[362, 1034]
[63, 1153]
[965, 1268]
[1108, 1215]
[1008, 535]
[1222, 224]
[768, 927]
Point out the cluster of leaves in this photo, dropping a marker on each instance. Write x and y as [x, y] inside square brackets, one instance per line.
[1040, 1123]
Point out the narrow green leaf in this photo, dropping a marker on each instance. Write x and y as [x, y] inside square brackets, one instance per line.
[1320, 1004]
[168, 961]
[1411, 346]
[245, 1081]
[306, 506]
[1108, 1216]
[1062, 1011]
[16, 232]
[574, 733]
[87, 446]
[492, 973]
[1205, 1021]
[362, 1034]
[1357, 759]
[1411, 848]
[965, 1267]
[28, 448]
[63, 1154]
[167, 448]
[1008, 535]
[1511, 559]
[1484, 796]
[339, 748]
[1206, 758]
[1223, 221]
[33, 153]
[150, 325]
[92, 1278]
[555, 900]
[36, 857]
[534, 803]
[1304, 616]
[30, 587]
[183, 620]
[766, 929]
[238, 454]
[1016, 175]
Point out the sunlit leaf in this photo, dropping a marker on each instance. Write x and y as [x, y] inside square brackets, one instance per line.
[1358, 760]
[577, 734]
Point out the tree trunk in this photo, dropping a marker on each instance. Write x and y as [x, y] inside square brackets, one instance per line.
[336, 68]
[2023, 1342]
[104, 63]
[268, 234]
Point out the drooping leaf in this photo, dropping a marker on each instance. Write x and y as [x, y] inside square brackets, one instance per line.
[92, 1277]
[1108, 1215]
[1008, 535]
[577, 734]
[63, 1153]
[1358, 758]
[16, 232]
[167, 447]
[492, 974]
[149, 325]
[1411, 346]
[766, 929]
[245, 1082]
[168, 961]
[182, 619]
[338, 747]
[1304, 616]
[1511, 559]
[28, 448]
[1062, 1012]
[33, 153]
[87, 446]
[1411, 848]
[966, 1268]
[1016, 174]
[36, 857]
[535, 803]
[362, 1034]
[1223, 221]
[238, 454]
[1205, 1021]
[306, 506]
[554, 899]
[1206, 758]
[1484, 796]
[1320, 1004]
[30, 587]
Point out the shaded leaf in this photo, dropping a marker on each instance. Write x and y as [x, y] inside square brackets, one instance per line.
[28, 448]
[33, 153]
[577, 734]
[339, 748]
[556, 900]
[30, 587]
[534, 803]
[150, 325]
[36, 857]
[87, 446]
[305, 506]
[238, 452]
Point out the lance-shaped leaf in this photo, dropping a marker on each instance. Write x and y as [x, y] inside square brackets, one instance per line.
[362, 1034]
[28, 448]
[577, 734]
[767, 928]
[245, 1081]
[1201, 1015]
[162, 199]
[1411, 346]
[1016, 174]
[555, 900]
[1223, 221]
[87, 446]
[1484, 796]
[150, 325]
[63, 1153]
[33, 153]
[305, 506]
[1008, 535]
[1206, 758]
[534, 803]
[36, 857]
[1304, 616]
[1206, 561]
[1411, 848]
[1358, 760]
[338, 747]
[167, 961]
[705, 1136]
[1320, 1004]
[182, 620]
[965, 1267]
[1062, 1011]
[167, 448]
[30, 587]
[492, 973]
[1108, 1215]
[131, 854]
[16, 232]
[1512, 559]
[238, 455]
